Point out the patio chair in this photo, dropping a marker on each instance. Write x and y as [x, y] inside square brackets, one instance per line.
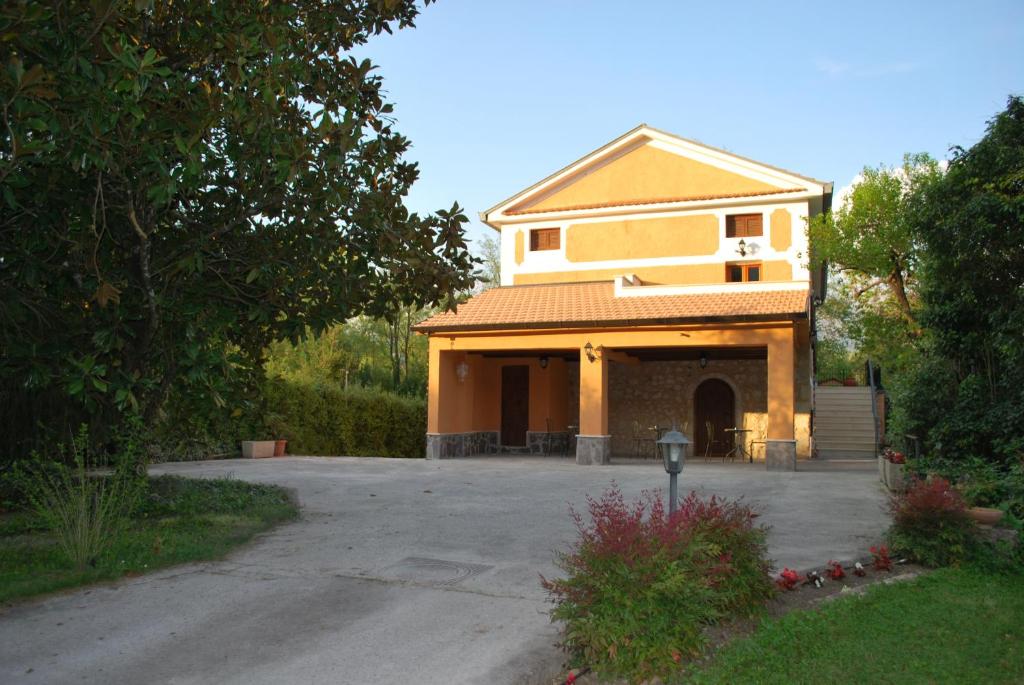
[638, 438]
[549, 437]
[709, 428]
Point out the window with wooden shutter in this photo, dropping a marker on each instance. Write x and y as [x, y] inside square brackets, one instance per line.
[545, 239]
[742, 273]
[743, 225]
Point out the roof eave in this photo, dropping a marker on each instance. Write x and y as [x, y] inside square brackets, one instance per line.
[622, 323]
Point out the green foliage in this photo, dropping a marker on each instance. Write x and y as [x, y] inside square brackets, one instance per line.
[834, 362]
[177, 520]
[490, 276]
[84, 509]
[363, 352]
[642, 585]
[326, 419]
[184, 183]
[983, 483]
[949, 626]
[971, 222]
[930, 524]
[870, 239]
[931, 276]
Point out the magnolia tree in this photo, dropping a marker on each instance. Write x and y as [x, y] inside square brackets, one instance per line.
[183, 183]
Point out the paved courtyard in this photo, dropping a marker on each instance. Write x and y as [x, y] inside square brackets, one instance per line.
[398, 571]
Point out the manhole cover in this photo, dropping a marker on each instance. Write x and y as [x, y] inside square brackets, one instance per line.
[433, 571]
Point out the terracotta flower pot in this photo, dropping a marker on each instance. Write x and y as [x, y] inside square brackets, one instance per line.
[985, 516]
[279, 447]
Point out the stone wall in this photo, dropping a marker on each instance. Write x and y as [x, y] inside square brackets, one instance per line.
[541, 442]
[662, 393]
[449, 445]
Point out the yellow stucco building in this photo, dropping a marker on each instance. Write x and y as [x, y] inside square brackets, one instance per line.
[655, 281]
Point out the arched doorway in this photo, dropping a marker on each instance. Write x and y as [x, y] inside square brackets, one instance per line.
[714, 402]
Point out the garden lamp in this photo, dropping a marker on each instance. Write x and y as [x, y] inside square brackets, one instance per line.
[673, 446]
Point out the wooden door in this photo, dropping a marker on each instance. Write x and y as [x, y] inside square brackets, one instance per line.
[515, 405]
[713, 401]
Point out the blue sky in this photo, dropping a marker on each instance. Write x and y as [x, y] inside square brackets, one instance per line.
[497, 95]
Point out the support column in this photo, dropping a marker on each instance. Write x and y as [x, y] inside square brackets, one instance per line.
[453, 406]
[780, 447]
[594, 444]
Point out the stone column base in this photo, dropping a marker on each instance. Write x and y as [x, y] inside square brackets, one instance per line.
[780, 455]
[449, 445]
[540, 442]
[593, 449]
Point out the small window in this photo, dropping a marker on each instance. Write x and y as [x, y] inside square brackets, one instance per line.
[743, 225]
[740, 273]
[545, 239]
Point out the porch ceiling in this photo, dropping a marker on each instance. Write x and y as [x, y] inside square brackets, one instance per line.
[660, 354]
[647, 354]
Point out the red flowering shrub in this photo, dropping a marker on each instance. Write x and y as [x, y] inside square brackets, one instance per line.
[881, 558]
[788, 579]
[930, 523]
[641, 585]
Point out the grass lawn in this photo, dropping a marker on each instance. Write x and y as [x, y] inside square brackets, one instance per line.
[178, 520]
[951, 626]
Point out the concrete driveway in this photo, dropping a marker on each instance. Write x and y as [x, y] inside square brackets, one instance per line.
[398, 572]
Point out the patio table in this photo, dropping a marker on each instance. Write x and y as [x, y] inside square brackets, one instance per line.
[739, 444]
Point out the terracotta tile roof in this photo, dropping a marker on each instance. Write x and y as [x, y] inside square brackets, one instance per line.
[652, 201]
[574, 305]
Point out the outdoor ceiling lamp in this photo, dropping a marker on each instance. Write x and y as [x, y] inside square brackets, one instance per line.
[674, 447]
[589, 350]
[703, 359]
[462, 371]
[544, 361]
[742, 249]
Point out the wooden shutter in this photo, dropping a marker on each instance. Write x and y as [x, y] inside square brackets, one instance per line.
[743, 225]
[545, 239]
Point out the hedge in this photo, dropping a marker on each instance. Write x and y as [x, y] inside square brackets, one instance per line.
[329, 420]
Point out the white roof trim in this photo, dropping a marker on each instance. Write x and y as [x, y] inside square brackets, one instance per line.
[626, 286]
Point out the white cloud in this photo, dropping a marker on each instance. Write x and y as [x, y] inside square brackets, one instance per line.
[834, 68]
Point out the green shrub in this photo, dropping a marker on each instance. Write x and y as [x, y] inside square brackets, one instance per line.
[982, 482]
[85, 509]
[931, 525]
[328, 420]
[642, 585]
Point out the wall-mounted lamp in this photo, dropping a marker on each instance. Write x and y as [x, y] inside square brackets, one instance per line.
[588, 349]
[462, 371]
[544, 362]
[703, 360]
[742, 248]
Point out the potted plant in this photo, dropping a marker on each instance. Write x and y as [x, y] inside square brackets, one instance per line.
[982, 490]
[891, 465]
[276, 425]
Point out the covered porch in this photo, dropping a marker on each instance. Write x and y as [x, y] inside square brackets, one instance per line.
[595, 393]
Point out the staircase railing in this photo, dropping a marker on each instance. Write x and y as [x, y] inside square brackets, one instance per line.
[874, 401]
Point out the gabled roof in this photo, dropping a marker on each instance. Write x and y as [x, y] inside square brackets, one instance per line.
[578, 305]
[731, 176]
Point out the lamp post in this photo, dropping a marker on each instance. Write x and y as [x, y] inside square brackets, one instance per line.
[674, 446]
